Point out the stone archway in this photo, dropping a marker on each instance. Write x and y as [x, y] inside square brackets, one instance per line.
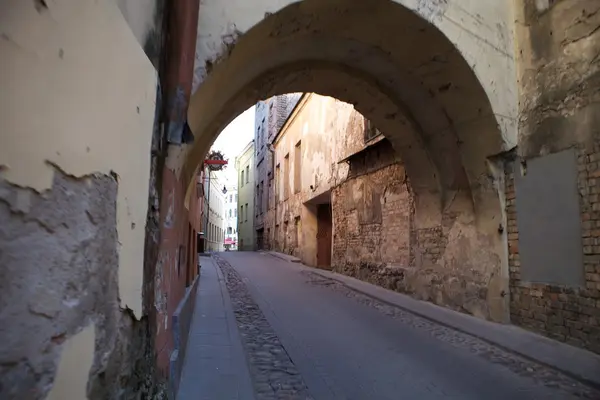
[403, 74]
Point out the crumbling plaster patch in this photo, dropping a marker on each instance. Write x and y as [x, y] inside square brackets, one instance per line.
[58, 251]
[79, 92]
[559, 73]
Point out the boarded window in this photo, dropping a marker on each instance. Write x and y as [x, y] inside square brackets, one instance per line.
[548, 220]
[261, 195]
[258, 202]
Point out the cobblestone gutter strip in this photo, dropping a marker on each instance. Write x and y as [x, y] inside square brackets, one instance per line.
[273, 373]
[519, 365]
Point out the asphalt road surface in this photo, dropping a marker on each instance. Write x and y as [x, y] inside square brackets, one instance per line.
[307, 337]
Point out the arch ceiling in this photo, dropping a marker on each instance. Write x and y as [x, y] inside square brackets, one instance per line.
[389, 60]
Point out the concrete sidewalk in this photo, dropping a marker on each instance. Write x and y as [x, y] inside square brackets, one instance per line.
[572, 361]
[215, 364]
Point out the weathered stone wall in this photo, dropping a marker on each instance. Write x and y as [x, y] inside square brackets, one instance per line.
[371, 219]
[559, 76]
[377, 240]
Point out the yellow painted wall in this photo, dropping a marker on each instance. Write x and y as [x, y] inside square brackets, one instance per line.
[78, 92]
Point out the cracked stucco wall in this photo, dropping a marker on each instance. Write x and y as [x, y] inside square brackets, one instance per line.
[559, 74]
[77, 112]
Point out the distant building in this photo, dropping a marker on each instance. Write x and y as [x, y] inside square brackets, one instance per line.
[244, 165]
[231, 226]
[339, 197]
[213, 221]
[270, 116]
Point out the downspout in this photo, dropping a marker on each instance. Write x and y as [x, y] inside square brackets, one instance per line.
[179, 69]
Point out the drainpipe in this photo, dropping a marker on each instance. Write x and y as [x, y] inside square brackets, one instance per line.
[179, 68]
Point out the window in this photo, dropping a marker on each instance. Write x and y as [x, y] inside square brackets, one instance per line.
[298, 167]
[231, 198]
[242, 181]
[241, 214]
[286, 177]
[235, 212]
[246, 212]
[229, 230]
[257, 202]
[247, 173]
[261, 192]
[370, 131]
[230, 213]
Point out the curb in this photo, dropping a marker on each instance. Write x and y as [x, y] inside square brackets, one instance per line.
[284, 257]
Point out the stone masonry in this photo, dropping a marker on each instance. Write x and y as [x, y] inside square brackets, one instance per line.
[376, 239]
[371, 218]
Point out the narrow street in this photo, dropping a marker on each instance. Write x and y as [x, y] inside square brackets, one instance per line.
[265, 328]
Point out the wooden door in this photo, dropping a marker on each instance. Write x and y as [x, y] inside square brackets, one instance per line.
[324, 235]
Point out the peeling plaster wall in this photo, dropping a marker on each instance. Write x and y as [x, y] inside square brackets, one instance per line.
[79, 93]
[77, 110]
[60, 297]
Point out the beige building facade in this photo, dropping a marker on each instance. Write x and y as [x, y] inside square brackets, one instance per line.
[339, 197]
[244, 165]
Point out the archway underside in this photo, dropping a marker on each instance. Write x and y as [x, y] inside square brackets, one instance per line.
[413, 85]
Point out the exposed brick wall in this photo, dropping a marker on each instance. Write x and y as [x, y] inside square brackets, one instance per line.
[568, 314]
[372, 211]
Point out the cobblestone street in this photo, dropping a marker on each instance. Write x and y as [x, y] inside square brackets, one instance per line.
[304, 336]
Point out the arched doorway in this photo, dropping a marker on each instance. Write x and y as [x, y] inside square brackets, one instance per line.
[405, 76]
